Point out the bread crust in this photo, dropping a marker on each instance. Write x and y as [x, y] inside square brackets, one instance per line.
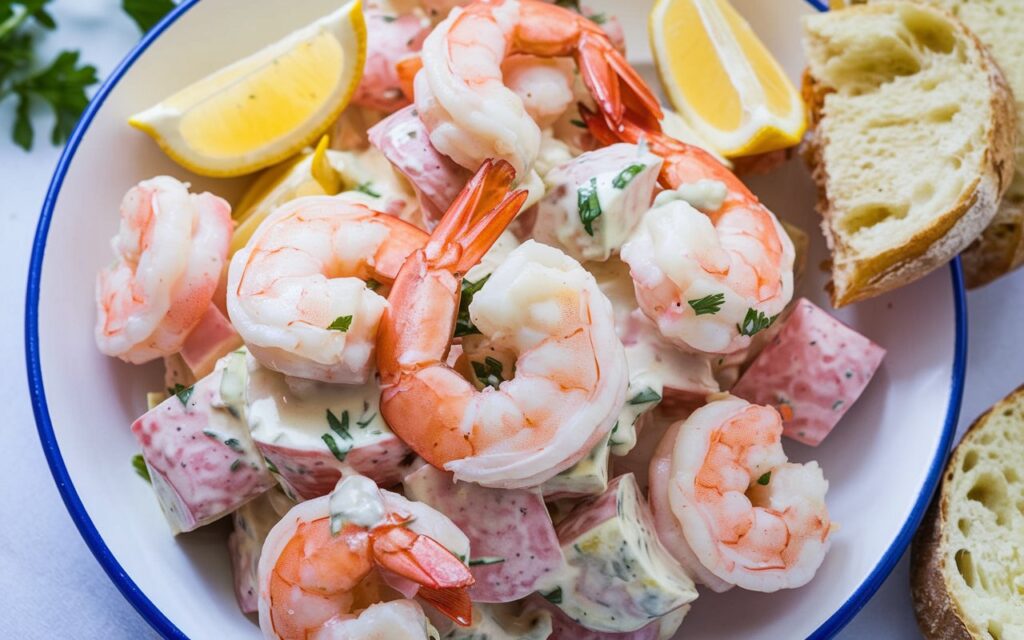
[999, 250]
[953, 230]
[938, 615]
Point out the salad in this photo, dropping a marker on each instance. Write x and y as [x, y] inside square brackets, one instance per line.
[486, 350]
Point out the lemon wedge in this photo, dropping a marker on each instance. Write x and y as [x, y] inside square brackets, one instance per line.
[721, 78]
[266, 107]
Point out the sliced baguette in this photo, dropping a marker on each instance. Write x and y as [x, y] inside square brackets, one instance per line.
[912, 142]
[967, 559]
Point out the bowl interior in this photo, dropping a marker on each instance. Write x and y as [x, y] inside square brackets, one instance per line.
[878, 462]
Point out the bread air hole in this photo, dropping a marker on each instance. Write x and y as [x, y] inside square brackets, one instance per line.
[965, 526]
[990, 492]
[929, 31]
[867, 216]
[970, 460]
[995, 629]
[965, 566]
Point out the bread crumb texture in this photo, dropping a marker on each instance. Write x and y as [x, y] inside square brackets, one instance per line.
[983, 500]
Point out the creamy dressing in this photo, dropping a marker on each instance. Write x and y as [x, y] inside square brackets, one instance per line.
[356, 500]
[504, 622]
[705, 195]
[589, 476]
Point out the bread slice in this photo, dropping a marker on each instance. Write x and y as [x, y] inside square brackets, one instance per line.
[997, 23]
[967, 560]
[912, 142]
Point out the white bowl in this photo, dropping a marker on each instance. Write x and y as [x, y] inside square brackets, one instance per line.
[883, 461]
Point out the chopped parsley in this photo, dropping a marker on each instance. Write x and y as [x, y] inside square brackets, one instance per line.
[139, 464]
[708, 305]
[463, 325]
[182, 392]
[754, 322]
[271, 466]
[233, 444]
[333, 446]
[341, 323]
[569, 4]
[765, 479]
[236, 465]
[554, 597]
[626, 175]
[388, 18]
[339, 427]
[578, 123]
[837, 404]
[598, 18]
[484, 561]
[589, 205]
[489, 371]
[372, 284]
[646, 395]
[367, 188]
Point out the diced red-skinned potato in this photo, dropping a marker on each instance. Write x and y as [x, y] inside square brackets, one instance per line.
[211, 339]
[201, 459]
[512, 540]
[252, 522]
[812, 372]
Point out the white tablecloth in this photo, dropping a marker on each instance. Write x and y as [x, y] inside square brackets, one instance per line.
[52, 586]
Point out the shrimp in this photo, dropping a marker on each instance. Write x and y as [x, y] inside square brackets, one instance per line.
[319, 562]
[461, 94]
[391, 36]
[395, 620]
[731, 508]
[570, 374]
[710, 282]
[171, 248]
[307, 292]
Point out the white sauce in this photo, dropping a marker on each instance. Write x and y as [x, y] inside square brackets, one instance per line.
[356, 500]
[705, 195]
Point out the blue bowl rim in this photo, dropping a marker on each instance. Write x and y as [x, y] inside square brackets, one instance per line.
[131, 591]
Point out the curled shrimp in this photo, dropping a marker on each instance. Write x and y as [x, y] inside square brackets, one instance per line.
[170, 248]
[569, 377]
[307, 292]
[731, 508]
[319, 563]
[709, 280]
[461, 93]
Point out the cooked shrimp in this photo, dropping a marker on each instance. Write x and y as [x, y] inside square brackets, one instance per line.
[307, 292]
[461, 93]
[749, 517]
[391, 35]
[569, 379]
[318, 564]
[543, 84]
[710, 282]
[170, 248]
[395, 620]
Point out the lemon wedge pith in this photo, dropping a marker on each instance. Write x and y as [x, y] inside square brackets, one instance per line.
[721, 78]
[266, 107]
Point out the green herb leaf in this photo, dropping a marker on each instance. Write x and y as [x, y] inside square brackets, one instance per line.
[388, 18]
[598, 18]
[708, 305]
[554, 597]
[146, 13]
[341, 323]
[463, 325]
[765, 479]
[234, 445]
[646, 395]
[754, 322]
[236, 465]
[489, 371]
[183, 393]
[339, 427]
[626, 175]
[367, 188]
[589, 205]
[332, 445]
[578, 123]
[372, 284]
[62, 86]
[139, 464]
[484, 561]
[569, 4]
[271, 466]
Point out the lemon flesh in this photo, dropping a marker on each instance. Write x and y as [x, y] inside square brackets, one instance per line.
[722, 79]
[266, 107]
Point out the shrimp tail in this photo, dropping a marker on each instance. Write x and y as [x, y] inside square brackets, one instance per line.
[614, 84]
[476, 218]
[443, 578]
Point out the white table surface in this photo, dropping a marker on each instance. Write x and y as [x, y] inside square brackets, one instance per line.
[52, 586]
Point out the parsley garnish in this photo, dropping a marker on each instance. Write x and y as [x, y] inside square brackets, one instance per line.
[388, 18]
[463, 325]
[489, 371]
[182, 392]
[372, 284]
[146, 13]
[646, 395]
[341, 323]
[477, 562]
[333, 446]
[555, 597]
[765, 479]
[589, 205]
[598, 18]
[754, 322]
[271, 465]
[626, 175]
[578, 123]
[234, 444]
[569, 4]
[61, 85]
[139, 464]
[236, 465]
[708, 305]
[367, 188]
[339, 427]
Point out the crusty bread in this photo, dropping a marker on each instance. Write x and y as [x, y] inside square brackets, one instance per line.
[967, 560]
[912, 142]
[998, 24]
